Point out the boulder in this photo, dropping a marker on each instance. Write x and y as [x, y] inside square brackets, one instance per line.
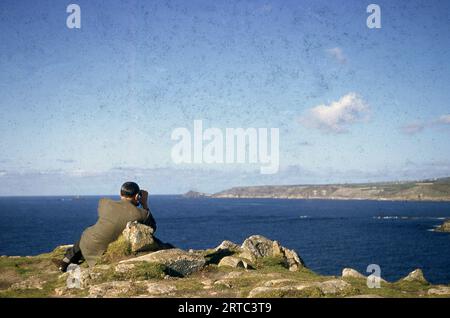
[445, 227]
[294, 262]
[140, 237]
[231, 261]
[416, 276]
[258, 246]
[177, 261]
[351, 273]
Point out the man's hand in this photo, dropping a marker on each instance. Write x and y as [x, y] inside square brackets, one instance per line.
[144, 199]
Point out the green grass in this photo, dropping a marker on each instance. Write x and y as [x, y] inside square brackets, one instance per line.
[117, 250]
[143, 271]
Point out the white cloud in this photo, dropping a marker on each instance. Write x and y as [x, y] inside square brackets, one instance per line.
[337, 116]
[338, 54]
[444, 119]
[413, 128]
[417, 127]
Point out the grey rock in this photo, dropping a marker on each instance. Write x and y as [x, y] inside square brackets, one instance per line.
[228, 245]
[334, 286]
[140, 237]
[351, 273]
[416, 276]
[111, 289]
[157, 289]
[330, 287]
[231, 261]
[445, 227]
[179, 262]
[258, 246]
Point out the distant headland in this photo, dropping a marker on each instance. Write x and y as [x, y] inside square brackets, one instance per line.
[424, 190]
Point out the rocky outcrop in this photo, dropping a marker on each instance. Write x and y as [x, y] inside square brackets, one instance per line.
[257, 246]
[439, 291]
[445, 227]
[140, 237]
[416, 276]
[259, 267]
[351, 273]
[178, 262]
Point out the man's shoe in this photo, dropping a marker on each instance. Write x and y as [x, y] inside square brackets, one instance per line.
[62, 266]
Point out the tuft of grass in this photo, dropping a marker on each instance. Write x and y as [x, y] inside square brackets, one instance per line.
[143, 271]
[21, 265]
[117, 250]
[273, 263]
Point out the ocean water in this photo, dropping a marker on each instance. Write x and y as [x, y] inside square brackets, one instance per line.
[328, 235]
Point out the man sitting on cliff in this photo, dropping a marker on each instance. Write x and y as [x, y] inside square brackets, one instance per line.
[113, 217]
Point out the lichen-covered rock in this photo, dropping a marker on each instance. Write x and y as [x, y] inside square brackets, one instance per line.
[334, 286]
[112, 289]
[279, 282]
[439, 290]
[140, 237]
[177, 261]
[29, 283]
[308, 289]
[258, 246]
[294, 262]
[416, 276]
[158, 289]
[231, 261]
[351, 273]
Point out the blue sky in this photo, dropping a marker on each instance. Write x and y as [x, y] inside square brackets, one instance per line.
[82, 110]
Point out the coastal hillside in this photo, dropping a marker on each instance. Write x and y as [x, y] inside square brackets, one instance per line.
[427, 190]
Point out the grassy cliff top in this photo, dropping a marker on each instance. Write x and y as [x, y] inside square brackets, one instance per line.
[267, 277]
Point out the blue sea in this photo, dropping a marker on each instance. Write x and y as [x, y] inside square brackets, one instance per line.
[328, 235]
